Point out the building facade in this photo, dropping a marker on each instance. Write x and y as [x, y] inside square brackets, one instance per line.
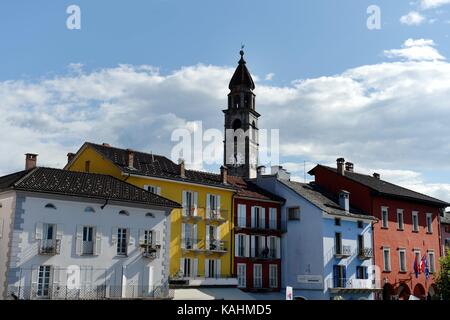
[445, 233]
[406, 234]
[201, 231]
[257, 234]
[326, 245]
[69, 235]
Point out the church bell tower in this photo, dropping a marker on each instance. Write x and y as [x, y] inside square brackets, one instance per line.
[241, 124]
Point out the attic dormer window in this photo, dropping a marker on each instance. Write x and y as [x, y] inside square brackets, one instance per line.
[149, 215]
[124, 213]
[50, 206]
[89, 210]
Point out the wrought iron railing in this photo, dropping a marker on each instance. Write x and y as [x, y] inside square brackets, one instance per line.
[343, 283]
[189, 243]
[216, 245]
[365, 253]
[49, 246]
[266, 254]
[343, 251]
[216, 214]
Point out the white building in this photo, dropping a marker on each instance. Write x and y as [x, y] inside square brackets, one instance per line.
[70, 235]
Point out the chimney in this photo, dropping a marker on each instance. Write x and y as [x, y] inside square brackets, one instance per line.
[30, 161]
[224, 174]
[349, 166]
[261, 170]
[344, 200]
[106, 144]
[340, 166]
[70, 156]
[130, 158]
[376, 176]
[182, 168]
[281, 173]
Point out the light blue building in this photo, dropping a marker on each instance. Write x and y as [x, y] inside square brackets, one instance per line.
[326, 246]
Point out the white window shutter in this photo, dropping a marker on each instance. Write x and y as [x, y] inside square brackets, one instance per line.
[247, 245]
[39, 231]
[146, 187]
[59, 231]
[252, 246]
[208, 205]
[98, 241]
[34, 279]
[278, 244]
[114, 232]
[131, 238]
[142, 236]
[183, 235]
[207, 233]
[56, 278]
[195, 203]
[194, 227]
[206, 268]
[236, 245]
[217, 232]
[1, 227]
[158, 191]
[218, 205]
[253, 217]
[195, 267]
[218, 268]
[79, 240]
[263, 217]
[182, 266]
[184, 203]
[156, 237]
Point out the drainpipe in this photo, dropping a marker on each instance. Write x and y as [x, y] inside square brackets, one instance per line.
[232, 234]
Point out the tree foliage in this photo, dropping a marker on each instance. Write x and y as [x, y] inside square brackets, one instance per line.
[443, 278]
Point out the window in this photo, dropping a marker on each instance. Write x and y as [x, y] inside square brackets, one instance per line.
[147, 240]
[241, 245]
[124, 213]
[402, 259]
[361, 272]
[431, 261]
[386, 259]
[360, 224]
[242, 275]
[417, 257]
[429, 223]
[189, 236]
[360, 244]
[339, 276]
[257, 276]
[384, 217]
[88, 241]
[242, 215]
[89, 210]
[258, 218]
[415, 221]
[273, 276]
[50, 206]
[400, 224]
[190, 203]
[338, 243]
[87, 166]
[294, 213]
[337, 221]
[153, 189]
[273, 223]
[213, 206]
[272, 246]
[43, 282]
[122, 241]
[187, 267]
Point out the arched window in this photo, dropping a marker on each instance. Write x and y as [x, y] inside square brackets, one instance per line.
[149, 215]
[124, 212]
[237, 124]
[89, 210]
[237, 101]
[50, 206]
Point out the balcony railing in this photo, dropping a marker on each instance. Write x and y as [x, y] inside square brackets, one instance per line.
[365, 253]
[343, 251]
[191, 212]
[88, 248]
[216, 246]
[180, 280]
[266, 254]
[218, 215]
[49, 246]
[189, 244]
[353, 284]
[150, 250]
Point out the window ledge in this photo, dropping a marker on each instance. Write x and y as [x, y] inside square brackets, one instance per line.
[403, 272]
[385, 228]
[430, 232]
[415, 231]
[400, 229]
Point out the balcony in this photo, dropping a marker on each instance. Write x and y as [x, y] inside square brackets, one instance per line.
[190, 244]
[191, 213]
[342, 252]
[268, 225]
[266, 254]
[49, 247]
[216, 215]
[150, 250]
[365, 253]
[340, 285]
[216, 246]
[199, 281]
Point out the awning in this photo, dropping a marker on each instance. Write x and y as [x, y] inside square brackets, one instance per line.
[211, 294]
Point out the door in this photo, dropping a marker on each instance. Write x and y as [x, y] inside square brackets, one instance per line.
[88, 240]
[242, 275]
[257, 276]
[43, 283]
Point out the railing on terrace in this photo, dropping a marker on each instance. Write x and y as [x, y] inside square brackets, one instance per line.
[49, 246]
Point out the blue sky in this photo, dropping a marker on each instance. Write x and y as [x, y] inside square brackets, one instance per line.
[139, 69]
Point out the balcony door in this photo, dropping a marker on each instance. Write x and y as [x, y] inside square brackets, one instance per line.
[360, 244]
[88, 240]
[338, 243]
[340, 277]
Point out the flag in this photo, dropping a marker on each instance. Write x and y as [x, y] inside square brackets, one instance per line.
[416, 267]
[422, 264]
[426, 267]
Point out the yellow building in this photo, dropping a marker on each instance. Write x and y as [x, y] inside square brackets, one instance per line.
[201, 232]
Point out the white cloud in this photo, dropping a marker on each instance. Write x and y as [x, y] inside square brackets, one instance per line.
[269, 76]
[413, 18]
[416, 50]
[387, 116]
[431, 4]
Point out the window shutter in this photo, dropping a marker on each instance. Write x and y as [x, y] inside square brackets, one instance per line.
[253, 217]
[114, 232]
[56, 280]
[278, 248]
[217, 233]
[1, 227]
[183, 235]
[195, 267]
[218, 205]
[34, 280]
[236, 245]
[263, 217]
[208, 205]
[252, 246]
[146, 187]
[131, 238]
[79, 240]
[194, 227]
[158, 191]
[156, 237]
[262, 242]
[206, 268]
[366, 274]
[39, 231]
[247, 245]
[141, 236]
[207, 233]
[336, 275]
[184, 203]
[59, 231]
[195, 203]
[218, 268]
[182, 266]
[98, 241]
[344, 275]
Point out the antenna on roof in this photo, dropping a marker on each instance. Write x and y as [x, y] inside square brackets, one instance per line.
[153, 158]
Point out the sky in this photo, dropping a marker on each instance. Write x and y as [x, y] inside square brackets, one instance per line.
[138, 70]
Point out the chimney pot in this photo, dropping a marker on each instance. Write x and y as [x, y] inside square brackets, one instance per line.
[377, 176]
[261, 170]
[106, 144]
[340, 166]
[70, 156]
[182, 168]
[224, 174]
[344, 200]
[30, 161]
[349, 166]
[130, 160]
